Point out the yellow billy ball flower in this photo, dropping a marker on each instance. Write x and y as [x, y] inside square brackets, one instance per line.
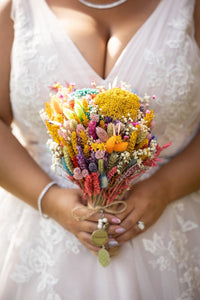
[118, 104]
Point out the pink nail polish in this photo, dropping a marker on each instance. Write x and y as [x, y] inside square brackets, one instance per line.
[120, 230]
[116, 220]
[113, 244]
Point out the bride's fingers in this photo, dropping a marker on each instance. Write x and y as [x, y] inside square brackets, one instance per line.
[129, 226]
[141, 225]
[88, 226]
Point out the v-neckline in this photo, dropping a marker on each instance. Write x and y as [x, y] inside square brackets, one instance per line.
[81, 56]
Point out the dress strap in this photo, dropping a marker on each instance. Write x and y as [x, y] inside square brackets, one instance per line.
[20, 9]
[15, 8]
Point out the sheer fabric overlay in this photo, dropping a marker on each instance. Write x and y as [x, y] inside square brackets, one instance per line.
[38, 258]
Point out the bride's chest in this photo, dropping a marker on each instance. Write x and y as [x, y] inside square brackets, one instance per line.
[101, 36]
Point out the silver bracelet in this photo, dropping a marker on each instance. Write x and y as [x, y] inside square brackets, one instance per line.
[43, 192]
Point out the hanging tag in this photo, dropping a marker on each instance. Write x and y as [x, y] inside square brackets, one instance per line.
[99, 237]
[104, 257]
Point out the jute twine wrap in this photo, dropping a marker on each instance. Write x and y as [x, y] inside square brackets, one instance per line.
[93, 210]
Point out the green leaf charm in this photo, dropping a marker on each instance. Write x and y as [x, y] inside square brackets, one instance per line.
[104, 257]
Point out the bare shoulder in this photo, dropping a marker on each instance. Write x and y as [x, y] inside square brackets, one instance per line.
[5, 8]
[6, 40]
[5, 20]
[197, 21]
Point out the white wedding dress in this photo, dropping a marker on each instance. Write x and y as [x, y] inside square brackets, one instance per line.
[38, 258]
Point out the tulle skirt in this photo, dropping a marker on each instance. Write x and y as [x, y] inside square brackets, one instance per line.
[41, 260]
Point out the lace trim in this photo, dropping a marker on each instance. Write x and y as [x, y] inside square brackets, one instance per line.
[39, 256]
[179, 79]
[170, 254]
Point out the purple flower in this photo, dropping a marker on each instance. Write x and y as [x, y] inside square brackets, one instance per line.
[108, 119]
[92, 158]
[93, 167]
[81, 158]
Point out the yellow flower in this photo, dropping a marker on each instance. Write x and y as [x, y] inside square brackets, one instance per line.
[74, 142]
[48, 109]
[68, 160]
[70, 151]
[98, 146]
[102, 147]
[142, 144]
[86, 150]
[118, 103]
[132, 141]
[102, 124]
[85, 120]
[118, 139]
[76, 118]
[85, 105]
[83, 137]
[59, 118]
[148, 118]
[53, 130]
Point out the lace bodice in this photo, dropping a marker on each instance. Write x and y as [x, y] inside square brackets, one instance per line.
[165, 62]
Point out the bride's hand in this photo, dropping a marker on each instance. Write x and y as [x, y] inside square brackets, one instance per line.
[59, 203]
[145, 202]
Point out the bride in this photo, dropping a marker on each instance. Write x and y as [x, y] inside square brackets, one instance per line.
[152, 45]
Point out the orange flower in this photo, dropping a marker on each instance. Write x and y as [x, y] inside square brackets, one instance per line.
[56, 106]
[110, 144]
[120, 147]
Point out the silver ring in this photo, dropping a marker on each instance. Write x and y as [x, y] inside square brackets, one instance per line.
[141, 225]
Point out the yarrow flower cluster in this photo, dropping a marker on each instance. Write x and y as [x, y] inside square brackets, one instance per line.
[101, 137]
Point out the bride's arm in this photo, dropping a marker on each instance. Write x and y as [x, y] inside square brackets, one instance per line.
[19, 173]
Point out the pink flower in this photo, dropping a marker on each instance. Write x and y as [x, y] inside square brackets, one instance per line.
[77, 171]
[102, 134]
[78, 176]
[79, 127]
[94, 118]
[85, 172]
[99, 154]
[112, 172]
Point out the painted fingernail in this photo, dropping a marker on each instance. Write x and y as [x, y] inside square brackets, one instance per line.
[116, 220]
[113, 244]
[120, 230]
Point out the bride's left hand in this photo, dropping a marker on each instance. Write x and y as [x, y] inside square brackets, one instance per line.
[145, 202]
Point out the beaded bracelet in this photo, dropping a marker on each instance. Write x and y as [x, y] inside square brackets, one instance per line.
[43, 192]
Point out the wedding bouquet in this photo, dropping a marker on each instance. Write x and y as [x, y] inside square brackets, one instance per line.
[102, 139]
